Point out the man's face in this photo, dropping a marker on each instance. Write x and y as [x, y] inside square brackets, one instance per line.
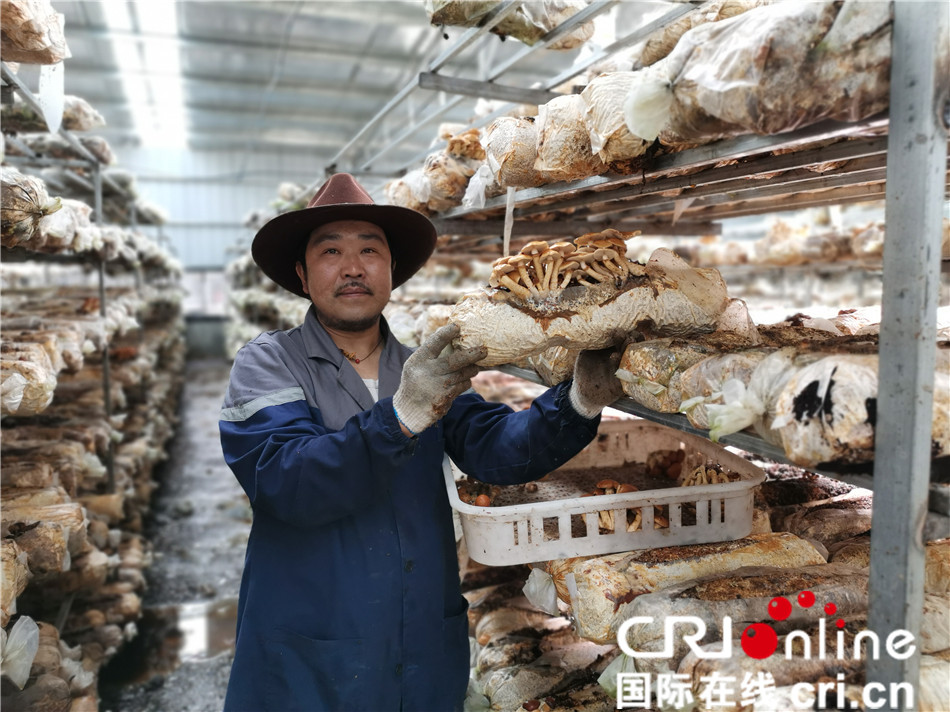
[348, 276]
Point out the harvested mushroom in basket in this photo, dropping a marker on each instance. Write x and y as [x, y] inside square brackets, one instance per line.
[709, 475]
[665, 463]
[606, 519]
[474, 492]
[585, 294]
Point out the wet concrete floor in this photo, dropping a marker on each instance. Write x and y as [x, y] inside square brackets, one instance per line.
[198, 527]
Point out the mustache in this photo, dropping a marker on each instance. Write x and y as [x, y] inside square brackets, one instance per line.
[350, 285]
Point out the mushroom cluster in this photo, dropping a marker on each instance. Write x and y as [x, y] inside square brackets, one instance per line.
[605, 518]
[540, 271]
[574, 308]
[709, 475]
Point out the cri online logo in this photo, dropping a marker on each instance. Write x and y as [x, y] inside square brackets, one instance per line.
[760, 640]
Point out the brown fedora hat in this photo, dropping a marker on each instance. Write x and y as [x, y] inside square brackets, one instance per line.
[277, 245]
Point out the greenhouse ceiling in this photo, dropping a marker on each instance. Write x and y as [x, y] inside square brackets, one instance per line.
[290, 76]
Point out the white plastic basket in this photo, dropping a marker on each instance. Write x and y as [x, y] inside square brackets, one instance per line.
[557, 522]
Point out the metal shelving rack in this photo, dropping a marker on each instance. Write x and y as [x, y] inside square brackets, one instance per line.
[901, 157]
[89, 162]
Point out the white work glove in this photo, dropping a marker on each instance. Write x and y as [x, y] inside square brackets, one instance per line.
[595, 383]
[431, 380]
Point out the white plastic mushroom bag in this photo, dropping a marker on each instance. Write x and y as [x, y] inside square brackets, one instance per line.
[18, 650]
[540, 591]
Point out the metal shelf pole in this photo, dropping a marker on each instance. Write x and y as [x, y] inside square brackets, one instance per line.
[106, 374]
[916, 171]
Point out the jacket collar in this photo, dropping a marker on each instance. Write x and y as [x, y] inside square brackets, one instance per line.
[319, 345]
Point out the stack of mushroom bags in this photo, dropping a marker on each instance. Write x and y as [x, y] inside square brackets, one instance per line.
[692, 86]
[442, 181]
[807, 385]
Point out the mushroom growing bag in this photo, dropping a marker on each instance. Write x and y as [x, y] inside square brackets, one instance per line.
[769, 70]
[564, 147]
[605, 589]
[585, 295]
[744, 595]
[819, 407]
[32, 32]
[78, 115]
[529, 23]
[25, 203]
[511, 147]
[609, 136]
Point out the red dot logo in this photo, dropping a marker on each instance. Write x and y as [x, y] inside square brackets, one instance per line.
[840, 623]
[806, 599]
[780, 608]
[831, 609]
[759, 641]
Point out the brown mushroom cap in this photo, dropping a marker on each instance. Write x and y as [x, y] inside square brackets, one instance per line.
[611, 234]
[604, 484]
[503, 268]
[564, 248]
[520, 260]
[534, 248]
[626, 488]
[582, 257]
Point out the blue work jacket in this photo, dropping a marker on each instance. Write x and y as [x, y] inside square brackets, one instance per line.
[350, 596]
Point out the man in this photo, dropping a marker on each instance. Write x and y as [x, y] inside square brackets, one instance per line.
[350, 597]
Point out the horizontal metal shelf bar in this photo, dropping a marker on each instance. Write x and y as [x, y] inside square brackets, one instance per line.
[759, 269]
[718, 178]
[753, 206]
[42, 161]
[745, 441]
[737, 148]
[17, 255]
[572, 228]
[487, 90]
[861, 172]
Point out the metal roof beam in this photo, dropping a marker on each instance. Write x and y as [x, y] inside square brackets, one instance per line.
[266, 46]
[387, 11]
[81, 71]
[487, 90]
[572, 227]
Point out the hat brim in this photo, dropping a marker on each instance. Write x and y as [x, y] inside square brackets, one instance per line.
[276, 247]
